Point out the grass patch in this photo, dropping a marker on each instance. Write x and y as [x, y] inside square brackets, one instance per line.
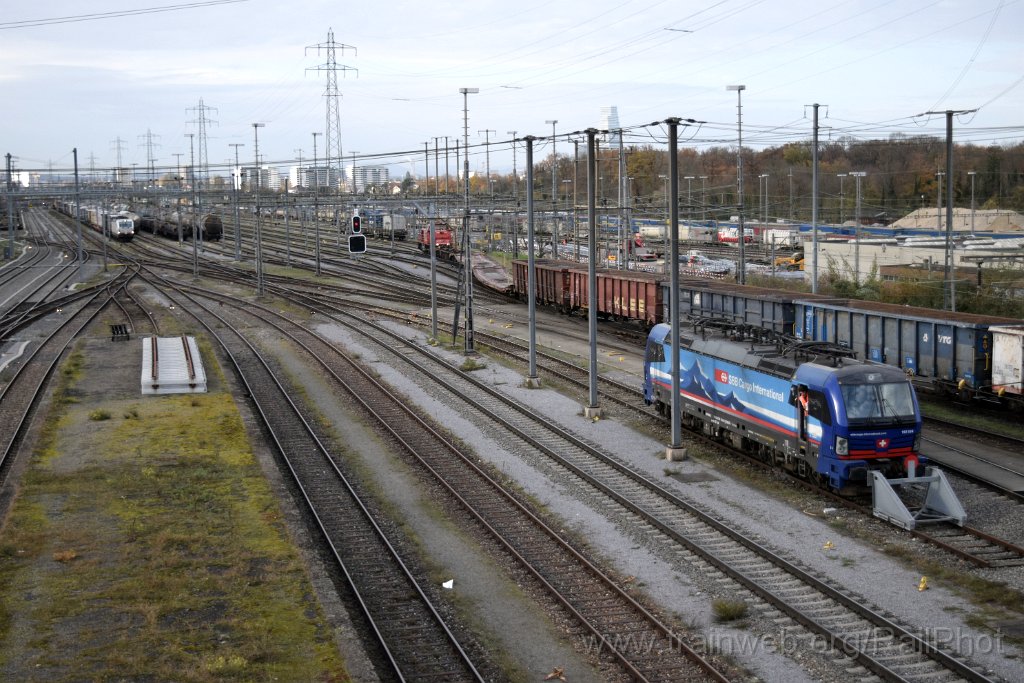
[471, 364]
[99, 415]
[996, 602]
[729, 610]
[152, 548]
[947, 411]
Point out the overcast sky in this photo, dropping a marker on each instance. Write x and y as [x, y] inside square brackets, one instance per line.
[88, 82]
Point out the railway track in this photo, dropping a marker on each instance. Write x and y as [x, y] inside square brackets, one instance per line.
[880, 668]
[974, 545]
[877, 643]
[411, 635]
[968, 543]
[600, 606]
[981, 455]
[22, 392]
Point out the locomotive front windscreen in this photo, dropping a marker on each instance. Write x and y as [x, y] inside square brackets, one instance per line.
[873, 403]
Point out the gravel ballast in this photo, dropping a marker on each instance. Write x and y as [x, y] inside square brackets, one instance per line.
[767, 644]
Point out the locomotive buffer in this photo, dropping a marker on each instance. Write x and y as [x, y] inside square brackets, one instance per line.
[940, 502]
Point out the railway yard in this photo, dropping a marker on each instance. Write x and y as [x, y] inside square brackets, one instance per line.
[351, 499]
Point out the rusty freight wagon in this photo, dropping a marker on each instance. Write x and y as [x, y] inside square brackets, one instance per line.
[552, 284]
[621, 294]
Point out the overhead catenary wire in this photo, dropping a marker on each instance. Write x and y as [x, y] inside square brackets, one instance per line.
[97, 16]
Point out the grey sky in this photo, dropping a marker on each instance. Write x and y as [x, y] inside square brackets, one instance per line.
[875, 64]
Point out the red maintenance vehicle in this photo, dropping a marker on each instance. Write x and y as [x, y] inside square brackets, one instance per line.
[444, 245]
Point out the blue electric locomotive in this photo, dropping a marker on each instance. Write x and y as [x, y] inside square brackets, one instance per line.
[827, 418]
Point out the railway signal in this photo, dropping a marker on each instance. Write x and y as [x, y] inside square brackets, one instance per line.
[357, 240]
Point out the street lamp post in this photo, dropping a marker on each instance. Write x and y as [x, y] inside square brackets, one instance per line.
[237, 182]
[466, 242]
[259, 237]
[10, 212]
[741, 275]
[353, 153]
[856, 230]
[487, 157]
[515, 175]
[195, 216]
[972, 174]
[575, 201]
[554, 162]
[842, 199]
[437, 160]
[689, 196]
[316, 206]
[554, 190]
[764, 200]
[703, 198]
[515, 194]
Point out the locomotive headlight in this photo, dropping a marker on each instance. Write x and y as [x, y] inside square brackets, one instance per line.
[842, 446]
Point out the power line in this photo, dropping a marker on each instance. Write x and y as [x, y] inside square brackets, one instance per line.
[333, 124]
[75, 18]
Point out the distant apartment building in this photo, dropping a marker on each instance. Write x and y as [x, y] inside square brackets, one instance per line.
[367, 177]
[610, 122]
[306, 177]
[244, 178]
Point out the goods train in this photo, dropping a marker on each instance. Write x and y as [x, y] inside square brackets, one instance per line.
[621, 294]
[973, 356]
[165, 223]
[827, 418]
[387, 227]
[969, 355]
[118, 224]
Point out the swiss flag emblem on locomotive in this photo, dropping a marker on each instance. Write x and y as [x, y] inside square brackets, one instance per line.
[721, 376]
[881, 444]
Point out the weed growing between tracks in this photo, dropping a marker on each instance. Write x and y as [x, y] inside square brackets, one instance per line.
[151, 546]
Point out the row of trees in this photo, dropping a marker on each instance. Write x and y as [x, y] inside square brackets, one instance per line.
[901, 174]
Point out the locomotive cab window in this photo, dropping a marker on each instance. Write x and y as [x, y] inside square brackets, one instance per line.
[655, 352]
[817, 407]
[878, 402]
